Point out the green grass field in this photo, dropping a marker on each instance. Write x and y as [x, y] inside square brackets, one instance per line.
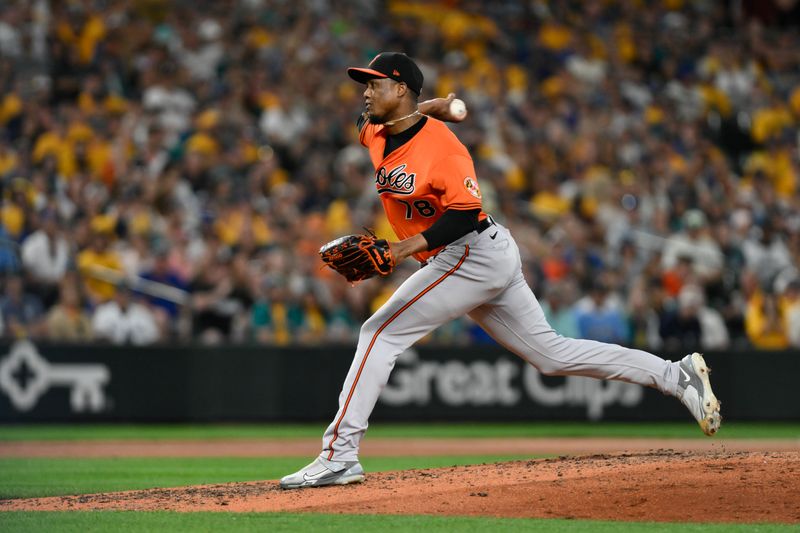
[241, 522]
[31, 477]
[682, 430]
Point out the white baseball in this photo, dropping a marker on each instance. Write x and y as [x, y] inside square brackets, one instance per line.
[458, 108]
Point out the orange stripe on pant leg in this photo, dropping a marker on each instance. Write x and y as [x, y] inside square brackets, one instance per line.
[375, 337]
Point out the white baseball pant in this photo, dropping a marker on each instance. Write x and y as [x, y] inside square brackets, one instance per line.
[479, 275]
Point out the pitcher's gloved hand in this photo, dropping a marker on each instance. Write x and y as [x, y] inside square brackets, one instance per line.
[358, 257]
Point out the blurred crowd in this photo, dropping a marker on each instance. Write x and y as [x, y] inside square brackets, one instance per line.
[169, 169]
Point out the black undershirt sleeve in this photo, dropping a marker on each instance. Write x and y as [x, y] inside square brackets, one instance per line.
[452, 225]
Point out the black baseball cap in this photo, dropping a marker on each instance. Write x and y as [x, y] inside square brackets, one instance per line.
[394, 65]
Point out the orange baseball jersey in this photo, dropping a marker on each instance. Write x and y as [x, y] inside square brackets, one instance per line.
[421, 179]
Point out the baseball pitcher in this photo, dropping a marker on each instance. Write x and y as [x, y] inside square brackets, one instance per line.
[426, 181]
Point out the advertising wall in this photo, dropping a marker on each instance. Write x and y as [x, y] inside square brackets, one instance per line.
[104, 384]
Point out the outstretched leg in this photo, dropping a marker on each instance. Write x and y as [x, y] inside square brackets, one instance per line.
[515, 319]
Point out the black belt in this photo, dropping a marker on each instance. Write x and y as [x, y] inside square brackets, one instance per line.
[484, 224]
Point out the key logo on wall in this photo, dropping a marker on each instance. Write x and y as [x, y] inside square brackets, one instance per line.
[25, 376]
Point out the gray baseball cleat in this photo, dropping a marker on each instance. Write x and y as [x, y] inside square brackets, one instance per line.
[323, 472]
[694, 391]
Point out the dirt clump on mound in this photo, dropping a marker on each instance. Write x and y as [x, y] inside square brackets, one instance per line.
[660, 485]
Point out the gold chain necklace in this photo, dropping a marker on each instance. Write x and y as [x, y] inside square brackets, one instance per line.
[393, 122]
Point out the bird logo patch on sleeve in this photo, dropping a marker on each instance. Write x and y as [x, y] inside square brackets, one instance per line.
[472, 187]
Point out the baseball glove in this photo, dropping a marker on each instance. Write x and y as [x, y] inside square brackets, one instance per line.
[358, 257]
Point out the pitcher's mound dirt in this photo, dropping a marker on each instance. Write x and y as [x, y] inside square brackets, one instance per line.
[661, 485]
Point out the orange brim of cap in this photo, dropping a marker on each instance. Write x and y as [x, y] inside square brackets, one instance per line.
[363, 75]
